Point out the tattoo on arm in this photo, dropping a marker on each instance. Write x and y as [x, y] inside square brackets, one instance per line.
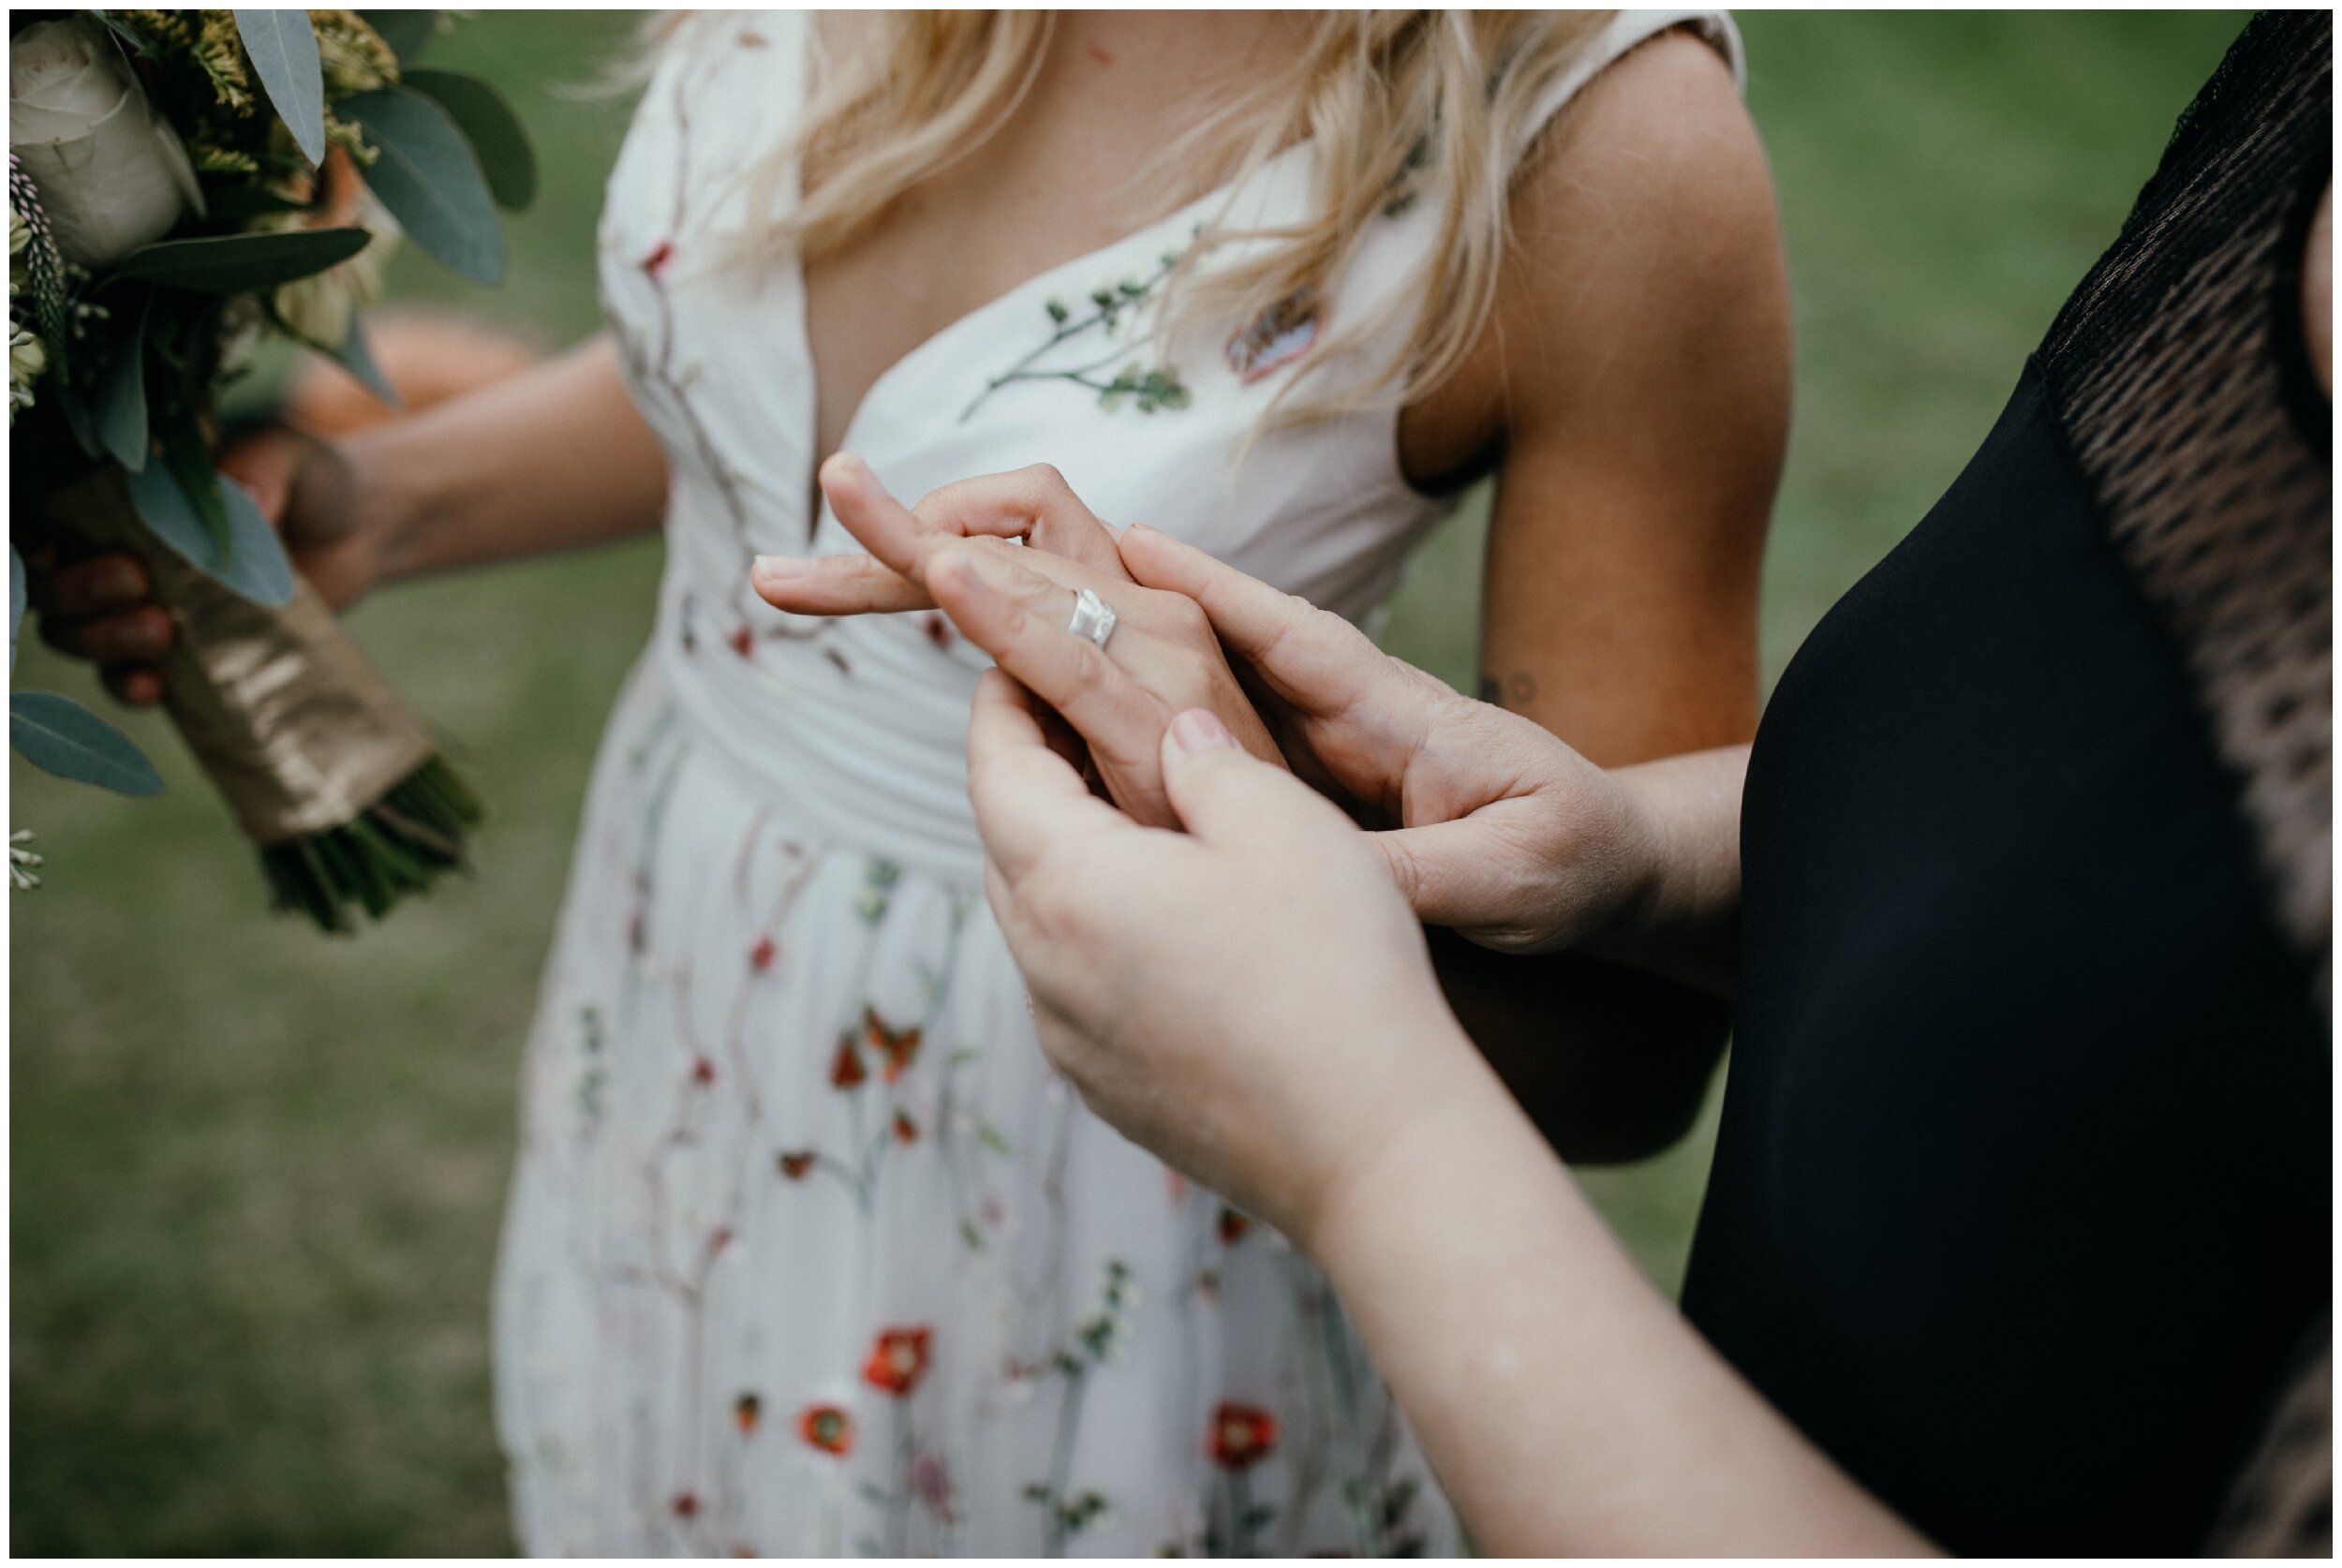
[1516, 691]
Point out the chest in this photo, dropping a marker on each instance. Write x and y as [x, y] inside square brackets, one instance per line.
[1076, 163]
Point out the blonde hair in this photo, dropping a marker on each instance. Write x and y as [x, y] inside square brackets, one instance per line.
[1399, 105]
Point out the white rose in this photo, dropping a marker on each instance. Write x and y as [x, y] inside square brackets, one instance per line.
[111, 175]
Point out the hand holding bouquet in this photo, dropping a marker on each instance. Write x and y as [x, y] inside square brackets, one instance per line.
[179, 183]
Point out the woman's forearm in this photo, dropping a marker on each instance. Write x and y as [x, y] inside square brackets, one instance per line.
[1683, 918]
[552, 459]
[1568, 1408]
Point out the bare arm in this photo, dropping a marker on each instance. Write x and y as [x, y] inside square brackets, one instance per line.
[1482, 1281]
[1250, 1001]
[554, 458]
[1635, 376]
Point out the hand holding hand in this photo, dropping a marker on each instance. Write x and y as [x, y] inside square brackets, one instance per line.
[1250, 998]
[954, 550]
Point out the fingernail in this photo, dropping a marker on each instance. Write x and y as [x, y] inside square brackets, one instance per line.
[1198, 730]
[781, 568]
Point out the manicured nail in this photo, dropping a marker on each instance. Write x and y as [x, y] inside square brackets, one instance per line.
[1198, 730]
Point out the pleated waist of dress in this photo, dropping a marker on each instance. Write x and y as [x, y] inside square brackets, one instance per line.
[854, 730]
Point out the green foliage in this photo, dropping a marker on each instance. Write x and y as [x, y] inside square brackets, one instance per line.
[212, 525]
[426, 176]
[283, 48]
[59, 735]
[405, 32]
[242, 263]
[497, 135]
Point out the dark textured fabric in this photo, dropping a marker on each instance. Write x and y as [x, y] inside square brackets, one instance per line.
[2021, 1202]
[2178, 373]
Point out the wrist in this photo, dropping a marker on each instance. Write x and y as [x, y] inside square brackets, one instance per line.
[1435, 1115]
[387, 507]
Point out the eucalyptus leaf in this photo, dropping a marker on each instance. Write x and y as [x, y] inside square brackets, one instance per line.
[405, 32]
[122, 399]
[252, 562]
[283, 48]
[428, 178]
[496, 136]
[242, 263]
[356, 357]
[58, 735]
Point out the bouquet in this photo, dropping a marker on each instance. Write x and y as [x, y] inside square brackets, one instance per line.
[180, 183]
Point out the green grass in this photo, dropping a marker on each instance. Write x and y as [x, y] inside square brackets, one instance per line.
[257, 1175]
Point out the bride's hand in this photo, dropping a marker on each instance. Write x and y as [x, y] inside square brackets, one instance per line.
[954, 551]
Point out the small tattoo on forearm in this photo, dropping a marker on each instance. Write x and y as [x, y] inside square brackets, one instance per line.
[1516, 691]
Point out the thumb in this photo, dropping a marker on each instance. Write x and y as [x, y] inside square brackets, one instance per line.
[1224, 794]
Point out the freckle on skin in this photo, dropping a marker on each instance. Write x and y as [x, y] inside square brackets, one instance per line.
[1098, 52]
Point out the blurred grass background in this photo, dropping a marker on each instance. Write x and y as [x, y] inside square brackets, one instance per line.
[257, 1176]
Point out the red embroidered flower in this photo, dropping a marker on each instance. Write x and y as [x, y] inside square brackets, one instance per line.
[846, 1069]
[898, 1361]
[899, 1050]
[718, 1239]
[656, 262]
[685, 1505]
[1241, 1435]
[906, 1129]
[742, 642]
[827, 1428]
[746, 1409]
[703, 1070]
[796, 1163]
[939, 630]
[1232, 1226]
[761, 956]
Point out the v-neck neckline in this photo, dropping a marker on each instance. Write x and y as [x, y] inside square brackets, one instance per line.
[960, 324]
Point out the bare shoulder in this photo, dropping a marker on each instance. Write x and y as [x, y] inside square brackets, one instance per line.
[1644, 236]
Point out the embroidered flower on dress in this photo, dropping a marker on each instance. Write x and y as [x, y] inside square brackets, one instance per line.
[1241, 1435]
[745, 1411]
[703, 1070]
[797, 1164]
[898, 1361]
[827, 1428]
[761, 956]
[685, 1505]
[1232, 1226]
[898, 1049]
[846, 1071]
[906, 1129]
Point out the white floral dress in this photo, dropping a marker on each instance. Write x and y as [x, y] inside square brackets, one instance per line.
[808, 1252]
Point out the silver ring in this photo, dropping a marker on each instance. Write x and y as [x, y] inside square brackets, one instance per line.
[1094, 618]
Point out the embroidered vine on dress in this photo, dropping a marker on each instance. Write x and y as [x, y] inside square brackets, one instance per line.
[1117, 308]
